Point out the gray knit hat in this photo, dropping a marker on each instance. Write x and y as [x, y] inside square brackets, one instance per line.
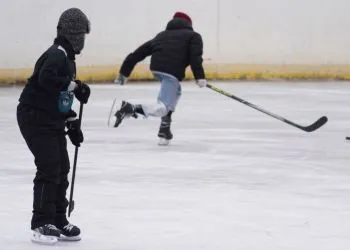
[73, 25]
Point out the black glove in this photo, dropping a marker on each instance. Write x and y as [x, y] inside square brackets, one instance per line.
[74, 132]
[82, 91]
[71, 115]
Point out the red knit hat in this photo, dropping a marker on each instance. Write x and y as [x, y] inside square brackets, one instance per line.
[183, 16]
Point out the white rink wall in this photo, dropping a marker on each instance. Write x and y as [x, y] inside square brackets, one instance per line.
[249, 31]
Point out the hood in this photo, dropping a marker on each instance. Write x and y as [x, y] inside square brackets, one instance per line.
[178, 23]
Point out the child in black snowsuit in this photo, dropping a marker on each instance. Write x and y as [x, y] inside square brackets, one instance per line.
[43, 114]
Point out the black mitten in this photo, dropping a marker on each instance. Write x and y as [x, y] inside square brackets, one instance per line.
[82, 92]
[71, 115]
[74, 132]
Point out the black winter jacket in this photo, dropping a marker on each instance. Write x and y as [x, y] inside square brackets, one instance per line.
[52, 74]
[172, 51]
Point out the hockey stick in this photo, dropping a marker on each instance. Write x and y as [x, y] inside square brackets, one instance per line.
[71, 201]
[316, 125]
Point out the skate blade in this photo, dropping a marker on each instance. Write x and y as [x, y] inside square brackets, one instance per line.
[43, 239]
[111, 115]
[163, 142]
[66, 238]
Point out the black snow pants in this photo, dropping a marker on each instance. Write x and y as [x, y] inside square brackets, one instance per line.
[45, 137]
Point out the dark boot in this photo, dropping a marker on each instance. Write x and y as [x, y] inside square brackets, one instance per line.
[164, 130]
[69, 232]
[48, 230]
[126, 110]
[46, 234]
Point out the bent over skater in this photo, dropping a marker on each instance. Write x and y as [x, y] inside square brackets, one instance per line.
[171, 51]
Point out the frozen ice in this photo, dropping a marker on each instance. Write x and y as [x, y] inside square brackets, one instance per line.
[232, 178]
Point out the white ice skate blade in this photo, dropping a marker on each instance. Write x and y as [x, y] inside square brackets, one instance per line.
[39, 238]
[65, 238]
[111, 117]
[163, 142]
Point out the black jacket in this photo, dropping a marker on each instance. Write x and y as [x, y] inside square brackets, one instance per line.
[172, 51]
[53, 72]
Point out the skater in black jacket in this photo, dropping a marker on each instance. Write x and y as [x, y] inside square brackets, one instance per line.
[43, 113]
[172, 50]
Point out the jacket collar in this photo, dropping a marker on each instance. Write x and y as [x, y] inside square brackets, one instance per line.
[65, 46]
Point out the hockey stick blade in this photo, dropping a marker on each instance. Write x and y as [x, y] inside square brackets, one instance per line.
[316, 125]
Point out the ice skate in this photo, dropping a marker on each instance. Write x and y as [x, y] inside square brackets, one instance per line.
[69, 232]
[46, 235]
[164, 133]
[126, 110]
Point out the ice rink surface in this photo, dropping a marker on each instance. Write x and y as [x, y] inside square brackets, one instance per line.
[232, 179]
